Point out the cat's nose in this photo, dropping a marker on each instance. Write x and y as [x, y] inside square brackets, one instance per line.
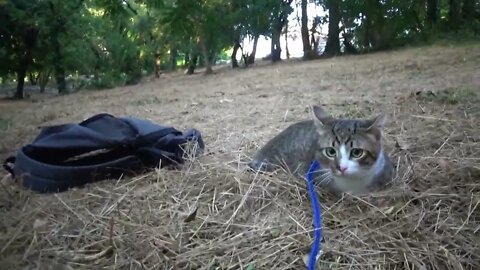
[342, 169]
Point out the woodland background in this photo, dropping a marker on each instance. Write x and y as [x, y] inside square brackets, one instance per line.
[105, 43]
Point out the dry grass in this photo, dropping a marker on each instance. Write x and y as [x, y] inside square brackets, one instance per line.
[429, 218]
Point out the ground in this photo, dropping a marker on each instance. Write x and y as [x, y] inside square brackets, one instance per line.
[428, 219]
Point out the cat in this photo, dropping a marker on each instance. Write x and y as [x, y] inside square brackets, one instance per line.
[349, 151]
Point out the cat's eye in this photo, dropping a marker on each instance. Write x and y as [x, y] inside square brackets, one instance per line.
[330, 152]
[357, 153]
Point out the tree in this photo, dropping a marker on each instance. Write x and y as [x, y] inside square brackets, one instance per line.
[432, 12]
[249, 20]
[18, 39]
[307, 47]
[116, 40]
[238, 15]
[251, 57]
[332, 47]
[58, 30]
[233, 57]
[468, 12]
[257, 23]
[198, 23]
[280, 12]
[454, 15]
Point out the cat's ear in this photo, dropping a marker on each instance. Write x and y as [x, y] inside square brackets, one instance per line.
[377, 122]
[320, 118]
[320, 113]
[375, 126]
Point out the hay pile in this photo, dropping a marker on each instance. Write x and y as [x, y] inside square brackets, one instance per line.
[213, 214]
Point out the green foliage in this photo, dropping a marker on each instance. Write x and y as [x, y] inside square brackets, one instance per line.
[63, 24]
[379, 25]
[224, 55]
[17, 33]
[118, 41]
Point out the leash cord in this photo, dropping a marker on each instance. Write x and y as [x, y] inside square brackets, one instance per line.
[317, 217]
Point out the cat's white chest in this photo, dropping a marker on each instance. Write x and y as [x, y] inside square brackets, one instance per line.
[357, 184]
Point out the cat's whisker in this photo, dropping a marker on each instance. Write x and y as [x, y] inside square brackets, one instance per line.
[324, 183]
[324, 179]
[321, 170]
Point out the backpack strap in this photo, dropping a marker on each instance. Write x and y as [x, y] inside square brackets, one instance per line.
[8, 165]
[43, 177]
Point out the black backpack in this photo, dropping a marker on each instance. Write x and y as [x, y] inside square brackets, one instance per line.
[103, 146]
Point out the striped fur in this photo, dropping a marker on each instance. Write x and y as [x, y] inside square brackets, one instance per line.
[349, 151]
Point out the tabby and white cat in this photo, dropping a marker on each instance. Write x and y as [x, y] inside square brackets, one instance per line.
[349, 151]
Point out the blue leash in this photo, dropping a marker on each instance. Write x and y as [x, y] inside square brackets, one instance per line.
[317, 216]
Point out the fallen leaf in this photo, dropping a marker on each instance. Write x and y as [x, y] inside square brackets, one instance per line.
[401, 144]
[305, 259]
[39, 223]
[226, 100]
[389, 210]
[7, 180]
[167, 248]
[92, 257]
[275, 233]
[443, 164]
[191, 216]
[250, 266]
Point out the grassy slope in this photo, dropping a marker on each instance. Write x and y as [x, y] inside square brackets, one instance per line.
[429, 217]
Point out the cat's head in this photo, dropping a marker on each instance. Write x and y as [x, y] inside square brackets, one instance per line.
[348, 147]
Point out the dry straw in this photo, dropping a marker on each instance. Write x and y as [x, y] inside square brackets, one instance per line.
[213, 214]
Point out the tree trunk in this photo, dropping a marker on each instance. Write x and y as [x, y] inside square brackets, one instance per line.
[251, 57]
[157, 65]
[213, 58]
[43, 78]
[349, 48]
[21, 73]
[60, 78]
[468, 11]
[192, 64]
[206, 58]
[432, 12]
[307, 47]
[59, 69]
[30, 39]
[281, 21]
[173, 59]
[454, 14]
[32, 78]
[186, 59]
[42, 88]
[332, 47]
[276, 50]
[200, 62]
[314, 40]
[286, 41]
[233, 57]
[315, 43]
